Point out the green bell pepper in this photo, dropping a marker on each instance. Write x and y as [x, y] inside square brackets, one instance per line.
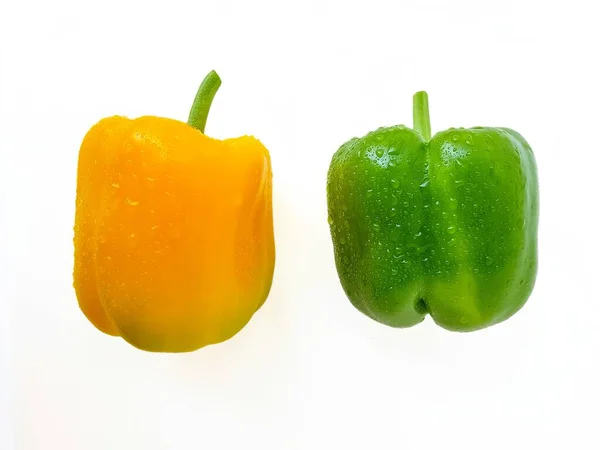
[445, 226]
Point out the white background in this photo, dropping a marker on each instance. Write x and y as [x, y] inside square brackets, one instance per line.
[309, 371]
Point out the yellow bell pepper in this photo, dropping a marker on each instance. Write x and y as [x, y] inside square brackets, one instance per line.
[173, 235]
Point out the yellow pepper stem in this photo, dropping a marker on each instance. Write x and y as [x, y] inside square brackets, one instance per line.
[204, 97]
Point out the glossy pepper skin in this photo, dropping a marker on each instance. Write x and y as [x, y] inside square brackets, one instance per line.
[446, 227]
[174, 246]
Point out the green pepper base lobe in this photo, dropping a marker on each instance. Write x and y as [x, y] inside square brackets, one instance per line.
[447, 227]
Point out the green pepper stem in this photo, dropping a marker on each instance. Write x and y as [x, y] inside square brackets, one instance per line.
[204, 97]
[421, 115]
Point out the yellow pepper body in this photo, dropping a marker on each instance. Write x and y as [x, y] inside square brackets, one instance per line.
[174, 246]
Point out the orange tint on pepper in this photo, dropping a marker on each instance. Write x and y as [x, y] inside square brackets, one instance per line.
[174, 246]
